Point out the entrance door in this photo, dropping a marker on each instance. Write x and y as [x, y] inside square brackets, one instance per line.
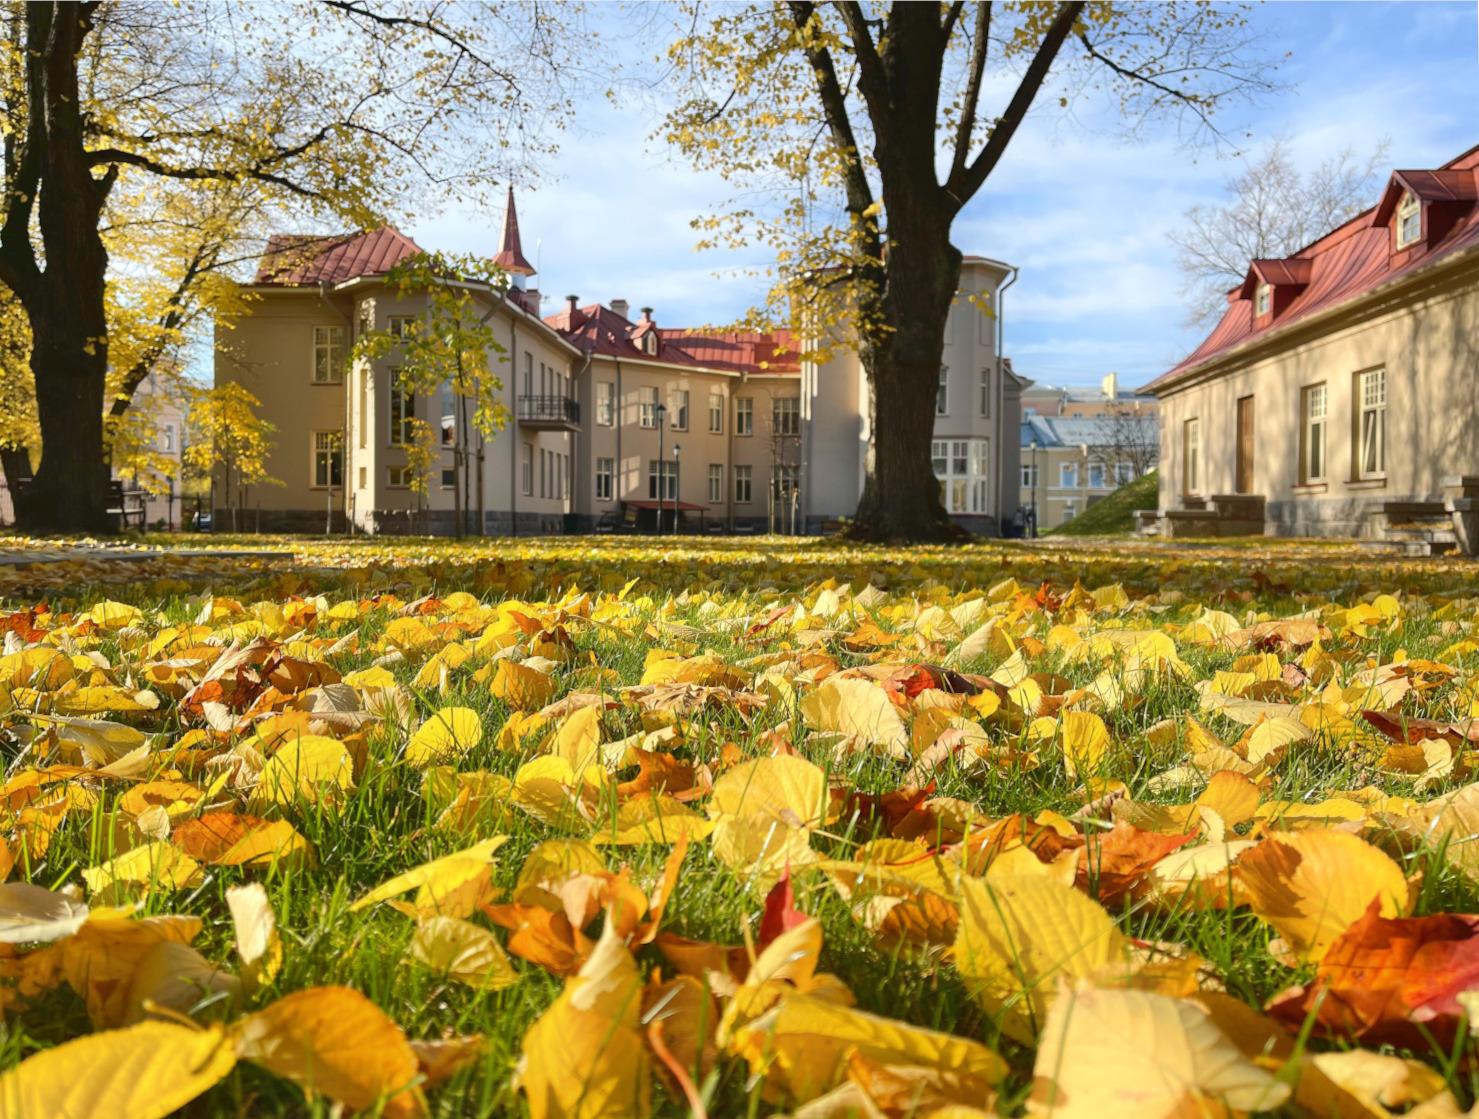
[1245, 445]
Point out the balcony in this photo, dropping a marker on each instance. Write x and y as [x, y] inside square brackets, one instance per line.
[549, 413]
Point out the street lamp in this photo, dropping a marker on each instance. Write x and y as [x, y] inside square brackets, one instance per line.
[1033, 504]
[660, 410]
[677, 482]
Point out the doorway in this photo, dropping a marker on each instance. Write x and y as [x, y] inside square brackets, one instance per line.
[1244, 480]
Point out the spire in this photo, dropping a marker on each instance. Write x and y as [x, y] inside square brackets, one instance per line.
[510, 253]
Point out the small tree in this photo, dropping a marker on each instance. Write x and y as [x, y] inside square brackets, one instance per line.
[1130, 435]
[421, 454]
[449, 345]
[231, 437]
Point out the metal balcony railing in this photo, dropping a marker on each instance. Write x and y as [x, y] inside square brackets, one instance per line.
[549, 410]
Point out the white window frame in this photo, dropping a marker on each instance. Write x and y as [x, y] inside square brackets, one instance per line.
[528, 373]
[678, 410]
[398, 477]
[744, 485]
[1409, 220]
[1068, 475]
[648, 412]
[605, 478]
[963, 469]
[716, 483]
[323, 449]
[716, 413]
[1314, 433]
[605, 403]
[1263, 299]
[167, 437]
[744, 415]
[402, 411]
[942, 392]
[662, 479]
[527, 469]
[986, 391]
[1371, 424]
[1124, 473]
[785, 415]
[1029, 475]
[395, 325]
[1097, 468]
[328, 355]
[1191, 456]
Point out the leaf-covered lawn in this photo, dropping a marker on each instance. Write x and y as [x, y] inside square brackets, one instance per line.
[604, 827]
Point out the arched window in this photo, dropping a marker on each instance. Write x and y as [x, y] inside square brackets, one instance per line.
[1409, 221]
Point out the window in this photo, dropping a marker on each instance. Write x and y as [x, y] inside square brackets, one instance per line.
[605, 475]
[744, 415]
[528, 373]
[605, 403]
[1371, 423]
[1067, 475]
[1313, 405]
[364, 407]
[449, 415]
[678, 409]
[1070, 510]
[399, 476]
[649, 406]
[363, 474]
[528, 469]
[716, 413]
[1096, 476]
[449, 478]
[328, 459]
[1409, 221]
[402, 411]
[565, 477]
[1263, 299]
[1191, 456]
[1124, 473]
[662, 480]
[743, 476]
[716, 483]
[942, 393]
[962, 467]
[784, 481]
[1029, 475]
[985, 390]
[167, 438]
[328, 355]
[400, 326]
[785, 416]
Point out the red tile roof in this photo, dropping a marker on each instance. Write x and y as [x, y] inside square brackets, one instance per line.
[1348, 262]
[511, 251]
[293, 259]
[599, 330]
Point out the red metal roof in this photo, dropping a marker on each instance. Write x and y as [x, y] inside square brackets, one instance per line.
[293, 259]
[511, 252]
[1348, 262]
[599, 330]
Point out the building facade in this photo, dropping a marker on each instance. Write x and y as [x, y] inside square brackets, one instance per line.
[616, 421]
[1342, 383]
[1071, 462]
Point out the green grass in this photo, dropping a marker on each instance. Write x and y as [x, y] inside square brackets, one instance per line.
[1114, 513]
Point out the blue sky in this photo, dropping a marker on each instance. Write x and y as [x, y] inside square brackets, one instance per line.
[1085, 215]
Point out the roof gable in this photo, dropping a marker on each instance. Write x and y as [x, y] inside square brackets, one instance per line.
[599, 330]
[1443, 185]
[296, 259]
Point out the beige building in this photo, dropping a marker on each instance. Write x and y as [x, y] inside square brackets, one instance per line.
[1340, 391]
[1071, 462]
[617, 422]
[1040, 399]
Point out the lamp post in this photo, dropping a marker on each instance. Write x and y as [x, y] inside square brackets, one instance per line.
[660, 410]
[677, 482]
[1032, 505]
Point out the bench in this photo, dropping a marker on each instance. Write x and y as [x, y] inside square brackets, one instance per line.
[128, 504]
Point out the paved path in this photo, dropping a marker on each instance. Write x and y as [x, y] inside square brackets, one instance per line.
[25, 557]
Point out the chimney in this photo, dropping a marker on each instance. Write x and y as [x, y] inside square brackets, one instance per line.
[646, 314]
[531, 300]
[620, 306]
[1110, 386]
[573, 300]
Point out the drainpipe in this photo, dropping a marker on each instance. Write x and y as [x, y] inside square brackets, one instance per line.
[515, 476]
[1001, 395]
[616, 469]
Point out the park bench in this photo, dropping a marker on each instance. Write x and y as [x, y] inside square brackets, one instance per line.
[127, 504]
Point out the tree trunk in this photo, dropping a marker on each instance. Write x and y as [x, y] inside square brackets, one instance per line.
[901, 354]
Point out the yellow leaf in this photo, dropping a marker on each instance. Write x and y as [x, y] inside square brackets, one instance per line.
[783, 787]
[334, 1042]
[33, 913]
[859, 708]
[1312, 885]
[150, 865]
[652, 819]
[578, 740]
[468, 953]
[585, 1058]
[145, 1071]
[311, 767]
[175, 977]
[1125, 1054]
[1085, 742]
[449, 733]
[453, 885]
[521, 687]
[257, 942]
[1020, 934]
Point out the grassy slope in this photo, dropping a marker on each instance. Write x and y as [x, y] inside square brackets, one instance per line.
[1115, 513]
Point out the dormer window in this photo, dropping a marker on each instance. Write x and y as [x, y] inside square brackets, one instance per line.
[1409, 221]
[650, 343]
[1263, 299]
